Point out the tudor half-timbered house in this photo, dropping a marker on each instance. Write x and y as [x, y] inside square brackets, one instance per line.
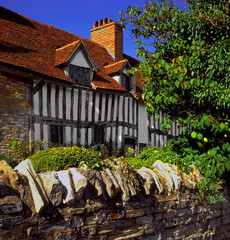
[62, 88]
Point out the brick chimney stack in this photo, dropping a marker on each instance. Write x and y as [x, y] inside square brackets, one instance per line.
[110, 34]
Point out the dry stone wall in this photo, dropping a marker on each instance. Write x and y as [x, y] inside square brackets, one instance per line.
[92, 204]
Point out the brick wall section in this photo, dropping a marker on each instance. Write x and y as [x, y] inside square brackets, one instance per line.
[14, 112]
[109, 34]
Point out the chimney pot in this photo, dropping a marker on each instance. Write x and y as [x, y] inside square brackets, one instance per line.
[110, 34]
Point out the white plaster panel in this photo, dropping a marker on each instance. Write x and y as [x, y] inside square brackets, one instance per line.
[44, 99]
[83, 136]
[37, 131]
[117, 78]
[79, 59]
[120, 107]
[119, 137]
[75, 104]
[68, 102]
[114, 134]
[126, 109]
[115, 108]
[90, 136]
[103, 108]
[90, 106]
[142, 125]
[60, 102]
[68, 135]
[74, 136]
[131, 110]
[109, 107]
[45, 135]
[52, 100]
[97, 106]
[36, 104]
[83, 97]
[108, 134]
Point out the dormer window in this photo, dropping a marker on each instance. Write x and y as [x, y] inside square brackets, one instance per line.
[128, 82]
[76, 62]
[80, 75]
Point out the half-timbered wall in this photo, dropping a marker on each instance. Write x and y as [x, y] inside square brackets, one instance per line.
[79, 111]
[156, 136]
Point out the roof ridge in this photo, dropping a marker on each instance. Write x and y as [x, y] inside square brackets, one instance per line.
[68, 45]
[110, 65]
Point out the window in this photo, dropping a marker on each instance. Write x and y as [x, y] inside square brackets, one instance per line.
[99, 135]
[128, 83]
[56, 134]
[80, 75]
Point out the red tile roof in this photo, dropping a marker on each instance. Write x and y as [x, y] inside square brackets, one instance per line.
[40, 48]
[115, 67]
[104, 81]
[64, 52]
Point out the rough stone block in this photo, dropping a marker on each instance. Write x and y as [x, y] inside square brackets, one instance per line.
[148, 181]
[134, 213]
[52, 186]
[153, 237]
[79, 182]
[108, 184]
[144, 220]
[189, 219]
[158, 216]
[212, 224]
[10, 173]
[68, 196]
[161, 169]
[77, 222]
[120, 178]
[180, 232]
[116, 188]
[181, 212]
[190, 229]
[7, 222]
[4, 189]
[154, 178]
[10, 204]
[38, 193]
[169, 214]
[108, 228]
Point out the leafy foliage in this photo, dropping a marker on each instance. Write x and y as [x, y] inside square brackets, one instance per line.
[20, 150]
[10, 161]
[187, 74]
[61, 158]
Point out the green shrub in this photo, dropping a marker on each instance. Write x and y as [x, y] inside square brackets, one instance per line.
[149, 155]
[10, 161]
[213, 164]
[61, 158]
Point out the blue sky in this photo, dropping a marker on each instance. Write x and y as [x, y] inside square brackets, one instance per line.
[75, 16]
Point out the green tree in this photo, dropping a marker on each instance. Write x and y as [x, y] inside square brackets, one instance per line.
[186, 71]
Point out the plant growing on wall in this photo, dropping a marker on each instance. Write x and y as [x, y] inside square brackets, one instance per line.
[186, 71]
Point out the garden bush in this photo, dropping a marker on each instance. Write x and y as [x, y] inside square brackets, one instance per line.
[61, 158]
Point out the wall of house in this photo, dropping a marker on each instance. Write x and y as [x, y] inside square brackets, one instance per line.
[14, 112]
[79, 111]
[156, 136]
[142, 125]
